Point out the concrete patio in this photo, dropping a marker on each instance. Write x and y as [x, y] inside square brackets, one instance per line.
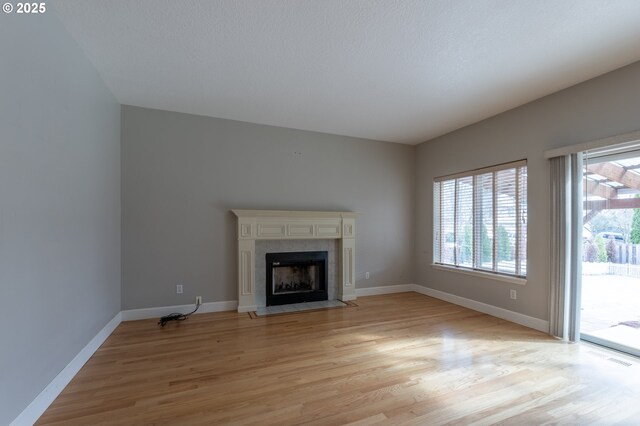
[608, 301]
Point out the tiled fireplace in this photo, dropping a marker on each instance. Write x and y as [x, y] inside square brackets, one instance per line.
[265, 237]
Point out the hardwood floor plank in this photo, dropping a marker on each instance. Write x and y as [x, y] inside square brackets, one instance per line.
[393, 359]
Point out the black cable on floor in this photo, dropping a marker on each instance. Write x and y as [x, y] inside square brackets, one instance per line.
[176, 316]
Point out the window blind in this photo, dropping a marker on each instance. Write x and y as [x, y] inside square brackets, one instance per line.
[480, 219]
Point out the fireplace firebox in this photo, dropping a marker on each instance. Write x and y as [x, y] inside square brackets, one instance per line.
[296, 277]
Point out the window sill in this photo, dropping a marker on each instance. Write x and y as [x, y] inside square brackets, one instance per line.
[489, 275]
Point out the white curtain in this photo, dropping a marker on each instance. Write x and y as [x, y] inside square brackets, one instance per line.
[566, 246]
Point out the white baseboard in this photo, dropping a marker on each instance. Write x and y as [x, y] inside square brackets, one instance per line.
[146, 313]
[374, 291]
[527, 321]
[38, 406]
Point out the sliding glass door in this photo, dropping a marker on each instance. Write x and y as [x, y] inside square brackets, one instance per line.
[610, 296]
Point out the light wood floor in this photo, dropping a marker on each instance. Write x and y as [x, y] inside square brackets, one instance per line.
[396, 359]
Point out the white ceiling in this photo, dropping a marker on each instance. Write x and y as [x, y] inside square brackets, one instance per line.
[394, 70]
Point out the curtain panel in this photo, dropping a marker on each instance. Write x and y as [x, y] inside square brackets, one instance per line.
[566, 246]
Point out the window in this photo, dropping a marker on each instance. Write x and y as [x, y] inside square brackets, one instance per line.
[480, 219]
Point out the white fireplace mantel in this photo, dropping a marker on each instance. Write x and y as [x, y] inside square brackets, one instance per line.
[293, 225]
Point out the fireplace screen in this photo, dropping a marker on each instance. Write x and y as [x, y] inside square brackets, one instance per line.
[294, 279]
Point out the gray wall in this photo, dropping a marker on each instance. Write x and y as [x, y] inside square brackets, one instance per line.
[183, 173]
[605, 106]
[59, 205]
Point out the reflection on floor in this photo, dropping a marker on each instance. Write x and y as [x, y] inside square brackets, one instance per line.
[296, 307]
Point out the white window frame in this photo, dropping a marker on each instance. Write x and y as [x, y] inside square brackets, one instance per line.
[439, 240]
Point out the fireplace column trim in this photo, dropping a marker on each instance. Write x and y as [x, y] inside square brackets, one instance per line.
[293, 225]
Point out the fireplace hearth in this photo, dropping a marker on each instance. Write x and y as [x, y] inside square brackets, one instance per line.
[296, 277]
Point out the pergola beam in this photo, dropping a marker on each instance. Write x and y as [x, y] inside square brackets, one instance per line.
[589, 216]
[600, 190]
[616, 173]
[618, 203]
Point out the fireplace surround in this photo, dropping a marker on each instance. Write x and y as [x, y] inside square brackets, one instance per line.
[259, 225]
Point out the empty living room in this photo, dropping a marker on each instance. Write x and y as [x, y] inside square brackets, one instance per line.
[322, 212]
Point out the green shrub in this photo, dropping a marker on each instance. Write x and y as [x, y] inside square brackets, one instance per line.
[635, 227]
[590, 251]
[504, 244]
[602, 250]
[612, 251]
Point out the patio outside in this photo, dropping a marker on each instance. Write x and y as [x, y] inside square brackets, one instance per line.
[610, 309]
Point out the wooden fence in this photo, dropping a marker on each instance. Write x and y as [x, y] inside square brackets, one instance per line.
[608, 268]
[628, 253]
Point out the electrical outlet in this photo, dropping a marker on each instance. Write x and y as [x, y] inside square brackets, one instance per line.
[366, 275]
[198, 300]
[179, 289]
[514, 294]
